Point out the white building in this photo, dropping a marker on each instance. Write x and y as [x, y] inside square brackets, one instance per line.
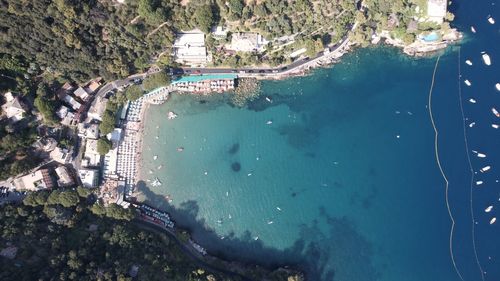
[436, 10]
[189, 48]
[91, 158]
[89, 177]
[247, 42]
[64, 177]
[88, 131]
[61, 155]
[219, 32]
[72, 102]
[13, 108]
[97, 110]
[81, 93]
[35, 181]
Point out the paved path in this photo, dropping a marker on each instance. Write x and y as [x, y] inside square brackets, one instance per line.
[188, 250]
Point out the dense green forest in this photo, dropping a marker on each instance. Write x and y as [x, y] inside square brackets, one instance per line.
[60, 236]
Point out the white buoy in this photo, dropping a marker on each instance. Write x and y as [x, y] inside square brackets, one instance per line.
[467, 82]
[468, 62]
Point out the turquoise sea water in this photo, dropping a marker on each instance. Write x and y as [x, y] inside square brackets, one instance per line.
[344, 182]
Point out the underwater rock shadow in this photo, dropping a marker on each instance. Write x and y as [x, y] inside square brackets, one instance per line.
[314, 252]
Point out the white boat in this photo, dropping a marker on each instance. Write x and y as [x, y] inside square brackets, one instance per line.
[230, 217]
[270, 222]
[479, 182]
[486, 58]
[269, 122]
[227, 193]
[481, 155]
[467, 82]
[497, 86]
[155, 182]
[222, 237]
[488, 209]
[491, 20]
[471, 100]
[495, 126]
[468, 62]
[269, 99]
[493, 220]
[278, 208]
[155, 157]
[171, 115]
[472, 124]
[495, 112]
[472, 29]
[159, 167]
[249, 174]
[256, 238]
[485, 169]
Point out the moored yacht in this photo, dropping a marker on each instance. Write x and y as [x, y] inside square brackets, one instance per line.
[485, 169]
[468, 62]
[481, 155]
[494, 126]
[497, 86]
[491, 20]
[495, 112]
[493, 220]
[467, 82]
[471, 100]
[486, 58]
[472, 29]
[488, 209]
[479, 182]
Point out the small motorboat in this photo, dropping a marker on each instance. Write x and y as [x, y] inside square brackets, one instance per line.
[171, 115]
[471, 100]
[493, 220]
[278, 208]
[472, 124]
[485, 169]
[481, 155]
[249, 174]
[479, 182]
[488, 209]
[472, 29]
[268, 99]
[495, 112]
[227, 193]
[180, 149]
[494, 126]
[155, 182]
[269, 122]
[467, 82]
[155, 157]
[230, 217]
[491, 20]
[256, 238]
[468, 62]
[159, 167]
[270, 222]
[497, 86]
[486, 58]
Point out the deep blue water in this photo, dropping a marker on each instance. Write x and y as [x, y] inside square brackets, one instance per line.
[349, 161]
